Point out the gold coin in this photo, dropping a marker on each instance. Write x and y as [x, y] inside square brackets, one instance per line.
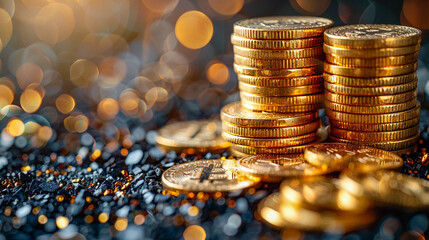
[374, 118]
[201, 136]
[276, 44]
[340, 156]
[377, 109]
[279, 54]
[388, 145]
[370, 72]
[374, 136]
[280, 82]
[370, 53]
[370, 82]
[281, 109]
[323, 193]
[407, 151]
[382, 127]
[214, 175]
[278, 63]
[322, 134]
[372, 36]
[277, 91]
[372, 62]
[270, 142]
[281, 101]
[234, 114]
[370, 100]
[365, 90]
[388, 188]
[274, 168]
[271, 132]
[297, 72]
[268, 210]
[281, 27]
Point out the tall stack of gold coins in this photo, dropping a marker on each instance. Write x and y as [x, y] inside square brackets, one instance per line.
[371, 85]
[278, 61]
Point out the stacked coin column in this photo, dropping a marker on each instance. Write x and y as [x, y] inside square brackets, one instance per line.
[371, 85]
[278, 61]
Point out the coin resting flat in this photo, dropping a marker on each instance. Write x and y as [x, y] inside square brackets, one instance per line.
[372, 62]
[277, 91]
[387, 145]
[280, 82]
[276, 44]
[294, 63]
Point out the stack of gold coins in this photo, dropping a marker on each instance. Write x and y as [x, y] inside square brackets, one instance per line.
[278, 61]
[371, 85]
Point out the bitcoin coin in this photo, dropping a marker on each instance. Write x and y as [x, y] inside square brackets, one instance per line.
[268, 210]
[391, 108]
[374, 136]
[341, 155]
[274, 168]
[281, 109]
[372, 36]
[364, 127]
[201, 136]
[366, 90]
[372, 62]
[370, 100]
[281, 101]
[281, 92]
[214, 175]
[234, 114]
[388, 188]
[370, 82]
[370, 72]
[279, 82]
[270, 142]
[278, 54]
[374, 118]
[271, 132]
[388, 145]
[276, 44]
[278, 63]
[282, 27]
[370, 53]
[295, 72]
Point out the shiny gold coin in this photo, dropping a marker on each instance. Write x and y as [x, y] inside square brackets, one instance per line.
[281, 101]
[388, 188]
[372, 62]
[278, 63]
[377, 109]
[278, 82]
[214, 175]
[374, 136]
[370, 100]
[322, 193]
[382, 127]
[281, 109]
[279, 54]
[370, 82]
[388, 145]
[276, 44]
[298, 72]
[366, 90]
[277, 91]
[274, 168]
[370, 72]
[200, 136]
[374, 118]
[234, 114]
[281, 27]
[271, 132]
[268, 210]
[407, 151]
[270, 142]
[370, 53]
[363, 36]
[340, 156]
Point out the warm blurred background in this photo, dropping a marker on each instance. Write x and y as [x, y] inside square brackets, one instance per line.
[91, 72]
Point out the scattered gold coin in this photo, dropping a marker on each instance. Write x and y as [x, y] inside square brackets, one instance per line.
[268, 210]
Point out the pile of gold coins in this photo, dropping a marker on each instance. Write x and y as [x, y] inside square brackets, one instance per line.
[371, 85]
[278, 61]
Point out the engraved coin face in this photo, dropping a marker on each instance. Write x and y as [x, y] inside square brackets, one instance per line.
[202, 135]
[373, 31]
[214, 175]
[284, 23]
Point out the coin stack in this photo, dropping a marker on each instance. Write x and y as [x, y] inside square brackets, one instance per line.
[278, 62]
[371, 85]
